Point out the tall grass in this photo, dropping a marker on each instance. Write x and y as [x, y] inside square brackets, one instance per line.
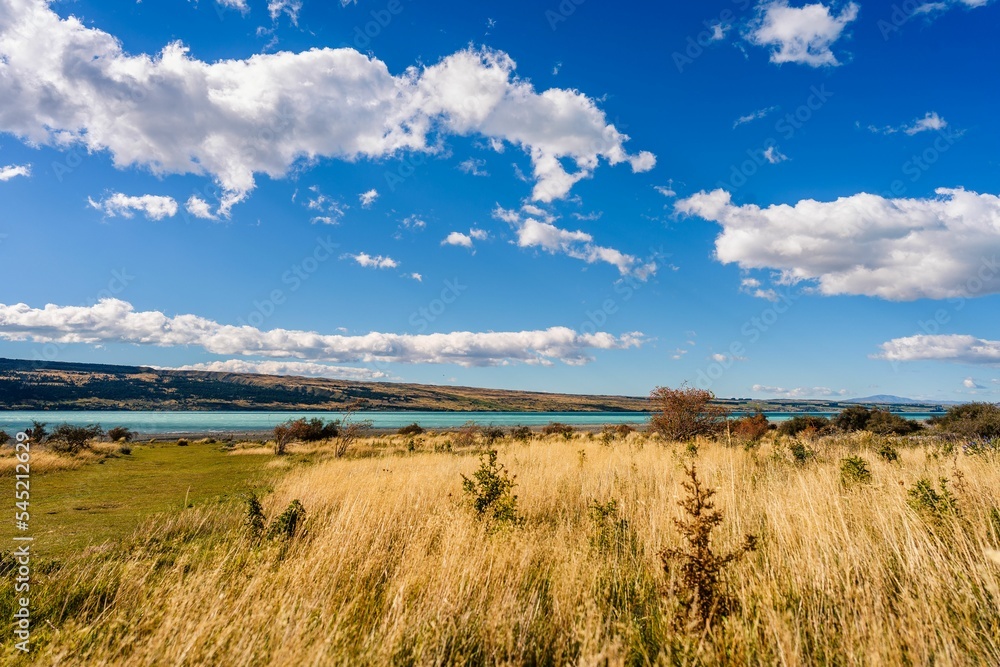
[391, 566]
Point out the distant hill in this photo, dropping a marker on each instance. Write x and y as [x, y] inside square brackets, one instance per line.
[887, 399]
[36, 385]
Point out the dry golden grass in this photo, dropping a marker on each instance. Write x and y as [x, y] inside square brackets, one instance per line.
[393, 568]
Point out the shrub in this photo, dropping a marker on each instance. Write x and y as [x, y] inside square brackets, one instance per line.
[883, 422]
[854, 470]
[71, 439]
[412, 429]
[37, 432]
[4, 438]
[490, 490]
[522, 433]
[887, 453]
[975, 420]
[350, 429]
[685, 413]
[749, 429]
[854, 418]
[612, 432]
[253, 519]
[612, 534]
[558, 428]
[800, 453]
[118, 433]
[182, 442]
[924, 498]
[491, 434]
[287, 523]
[468, 435]
[124, 449]
[303, 430]
[800, 423]
[699, 567]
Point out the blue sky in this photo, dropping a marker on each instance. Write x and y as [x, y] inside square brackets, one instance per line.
[765, 199]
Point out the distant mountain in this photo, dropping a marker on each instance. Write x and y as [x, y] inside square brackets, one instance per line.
[887, 399]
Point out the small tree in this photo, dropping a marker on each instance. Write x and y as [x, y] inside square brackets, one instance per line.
[749, 429]
[974, 420]
[490, 490]
[303, 430]
[854, 418]
[700, 568]
[37, 432]
[71, 439]
[350, 429]
[685, 413]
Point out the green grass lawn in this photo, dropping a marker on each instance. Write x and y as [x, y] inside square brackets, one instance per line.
[74, 509]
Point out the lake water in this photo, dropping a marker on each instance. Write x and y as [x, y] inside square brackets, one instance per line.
[154, 422]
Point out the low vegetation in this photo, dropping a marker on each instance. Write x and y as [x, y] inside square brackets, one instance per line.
[823, 546]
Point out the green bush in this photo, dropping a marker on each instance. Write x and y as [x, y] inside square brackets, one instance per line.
[71, 439]
[490, 490]
[288, 522]
[887, 453]
[854, 470]
[883, 422]
[253, 520]
[800, 453]
[975, 420]
[924, 498]
[800, 423]
[491, 434]
[854, 418]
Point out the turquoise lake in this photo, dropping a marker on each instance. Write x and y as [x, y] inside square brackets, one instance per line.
[153, 422]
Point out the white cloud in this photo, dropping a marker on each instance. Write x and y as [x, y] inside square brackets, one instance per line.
[199, 208]
[324, 220]
[800, 34]
[955, 348]
[116, 321]
[154, 207]
[970, 383]
[896, 249]
[930, 121]
[295, 368]
[774, 156]
[725, 358]
[459, 239]
[755, 115]
[416, 276]
[374, 262]
[799, 392]
[474, 167]
[13, 171]
[368, 198]
[241, 5]
[665, 190]
[532, 233]
[329, 211]
[466, 240]
[70, 84]
[289, 7]
[413, 223]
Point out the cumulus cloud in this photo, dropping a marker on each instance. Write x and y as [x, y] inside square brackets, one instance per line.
[799, 392]
[416, 276]
[800, 34]
[532, 233]
[116, 321]
[865, 244]
[970, 383]
[955, 348]
[374, 262]
[153, 207]
[13, 171]
[368, 198]
[296, 368]
[241, 5]
[68, 84]
[199, 208]
[459, 239]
